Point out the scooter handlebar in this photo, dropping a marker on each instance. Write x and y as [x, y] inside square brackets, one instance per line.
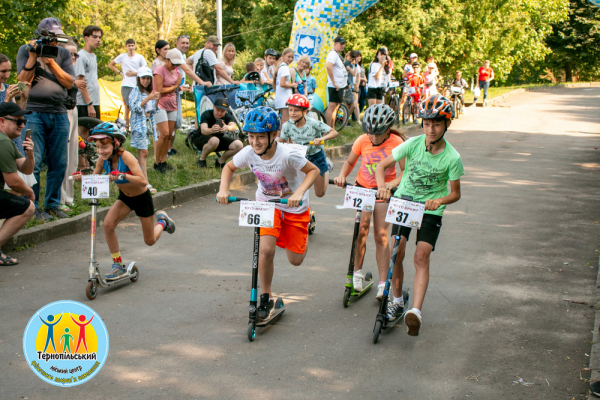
[234, 199]
[120, 177]
[332, 182]
[281, 201]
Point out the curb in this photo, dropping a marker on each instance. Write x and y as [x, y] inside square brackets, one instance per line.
[162, 200]
[595, 352]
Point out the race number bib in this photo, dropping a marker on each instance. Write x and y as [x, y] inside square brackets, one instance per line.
[409, 90]
[94, 186]
[405, 213]
[359, 198]
[302, 149]
[257, 214]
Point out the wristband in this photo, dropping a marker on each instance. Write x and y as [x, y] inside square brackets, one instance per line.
[89, 104]
[29, 69]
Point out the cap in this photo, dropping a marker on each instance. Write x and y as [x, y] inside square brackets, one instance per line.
[174, 56]
[416, 64]
[339, 39]
[413, 55]
[12, 109]
[221, 103]
[52, 25]
[431, 65]
[144, 71]
[214, 40]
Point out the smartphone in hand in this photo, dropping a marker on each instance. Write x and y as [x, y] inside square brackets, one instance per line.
[28, 134]
[22, 86]
[220, 122]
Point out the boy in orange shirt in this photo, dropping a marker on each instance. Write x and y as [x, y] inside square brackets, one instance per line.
[417, 81]
[372, 148]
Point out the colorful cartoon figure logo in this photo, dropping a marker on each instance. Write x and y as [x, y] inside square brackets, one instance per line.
[65, 343]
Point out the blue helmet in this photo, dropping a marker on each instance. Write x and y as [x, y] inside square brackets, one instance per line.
[107, 130]
[261, 120]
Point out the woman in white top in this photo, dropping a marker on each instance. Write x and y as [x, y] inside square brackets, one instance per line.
[378, 70]
[227, 63]
[282, 82]
[160, 48]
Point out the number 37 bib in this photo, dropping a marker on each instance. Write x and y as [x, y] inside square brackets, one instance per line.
[405, 213]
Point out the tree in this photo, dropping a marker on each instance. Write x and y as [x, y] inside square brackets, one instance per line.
[576, 41]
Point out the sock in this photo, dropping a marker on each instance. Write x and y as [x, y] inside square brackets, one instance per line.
[163, 223]
[399, 300]
[117, 258]
[382, 282]
[416, 310]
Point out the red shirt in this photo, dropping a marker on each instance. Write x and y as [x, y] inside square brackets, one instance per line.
[415, 80]
[485, 73]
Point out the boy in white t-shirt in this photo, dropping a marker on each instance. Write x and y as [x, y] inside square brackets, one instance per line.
[130, 63]
[282, 172]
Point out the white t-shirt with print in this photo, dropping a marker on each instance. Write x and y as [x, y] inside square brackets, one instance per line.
[373, 82]
[340, 75]
[130, 64]
[282, 94]
[209, 56]
[278, 177]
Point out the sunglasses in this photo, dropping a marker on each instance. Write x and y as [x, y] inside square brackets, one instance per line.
[183, 36]
[75, 55]
[18, 122]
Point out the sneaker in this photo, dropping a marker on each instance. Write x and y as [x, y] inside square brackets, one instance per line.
[151, 189]
[65, 208]
[380, 288]
[171, 152]
[201, 163]
[413, 321]
[266, 307]
[40, 215]
[56, 213]
[167, 167]
[218, 164]
[162, 216]
[358, 280]
[159, 168]
[313, 222]
[117, 271]
[329, 164]
[394, 310]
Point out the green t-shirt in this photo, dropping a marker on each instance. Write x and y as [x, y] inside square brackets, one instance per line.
[311, 130]
[426, 176]
[9, 154]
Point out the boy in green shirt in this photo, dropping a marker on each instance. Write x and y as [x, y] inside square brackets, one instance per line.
[431, 162]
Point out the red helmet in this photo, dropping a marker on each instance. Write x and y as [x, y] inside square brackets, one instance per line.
[298, 100]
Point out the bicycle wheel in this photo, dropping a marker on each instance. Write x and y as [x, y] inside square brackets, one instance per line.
[341, 117]
[406, 110]
[316, 114]
[414, 111]
[457, 108]
[395, 105]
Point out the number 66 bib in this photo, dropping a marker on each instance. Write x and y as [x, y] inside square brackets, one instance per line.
[405, 213]
[257, 214]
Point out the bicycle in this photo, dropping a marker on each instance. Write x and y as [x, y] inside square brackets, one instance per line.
[239, 134]
[342, 115]
[394, 101]
[411, 107]
[456, 102]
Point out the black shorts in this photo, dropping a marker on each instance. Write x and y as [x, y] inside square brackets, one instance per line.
[83, 112]
[375, 93]
[429, 232]
[224, 142]
[11, 205]
[335, 96]
[142, 204]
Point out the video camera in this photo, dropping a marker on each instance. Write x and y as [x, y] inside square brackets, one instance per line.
[44, 38]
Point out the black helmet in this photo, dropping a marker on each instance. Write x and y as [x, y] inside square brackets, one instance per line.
[378, 119]
[271, 52]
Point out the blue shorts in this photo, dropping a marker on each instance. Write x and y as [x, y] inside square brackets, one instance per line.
[320, 161]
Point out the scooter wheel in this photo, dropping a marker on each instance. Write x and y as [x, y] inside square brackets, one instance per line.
[251, 331]
[91, 290]
[135, 274]
[278, 303]
[376, 331]
[347, 297]
[368, 277]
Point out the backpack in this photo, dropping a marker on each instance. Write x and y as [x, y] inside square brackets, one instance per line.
[204, 70]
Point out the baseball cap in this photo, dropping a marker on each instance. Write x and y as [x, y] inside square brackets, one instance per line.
[413, 55]
[214, 40]
[339, 39]
[12, 109]
[52, 25]
[431, 65]
[144, 71]
[416, 64]
[221, 103]
[175, 56]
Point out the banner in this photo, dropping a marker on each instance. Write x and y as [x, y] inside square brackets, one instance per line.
[316, 24]
[205, 97]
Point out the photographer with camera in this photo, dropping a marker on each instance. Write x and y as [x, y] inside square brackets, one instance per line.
[50, 70]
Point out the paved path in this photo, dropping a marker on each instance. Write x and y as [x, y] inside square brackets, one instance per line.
[494, 311]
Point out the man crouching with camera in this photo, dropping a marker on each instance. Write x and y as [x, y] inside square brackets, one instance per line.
[50, 70]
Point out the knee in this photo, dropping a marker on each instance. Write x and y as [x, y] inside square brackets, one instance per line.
[143, 153]
[150, 241]
[421, 259]
[267, 253]
[296, 261]
[381, 239]
[214, 142]
[237, 145]
[30, 210]
[109, 225]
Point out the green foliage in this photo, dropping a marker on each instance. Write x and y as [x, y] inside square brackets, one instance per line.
[239, 68]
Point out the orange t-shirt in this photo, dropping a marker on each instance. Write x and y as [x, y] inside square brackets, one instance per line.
[415, 80]
[371, 156]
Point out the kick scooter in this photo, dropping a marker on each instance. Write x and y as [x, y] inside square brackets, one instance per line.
[254, 322]
[349, 290]
[382, 321]
[95, 279]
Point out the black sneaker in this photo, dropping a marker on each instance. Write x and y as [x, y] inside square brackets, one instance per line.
[40, 215]
[265, 309]
[159, 168]
[56, 213]
[201, 163]
[167, 167]
[171, 152]
[218, 164]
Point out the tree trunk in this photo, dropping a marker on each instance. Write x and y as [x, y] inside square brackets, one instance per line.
[568, 72]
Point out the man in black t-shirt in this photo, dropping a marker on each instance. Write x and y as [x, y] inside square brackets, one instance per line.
[211, 135]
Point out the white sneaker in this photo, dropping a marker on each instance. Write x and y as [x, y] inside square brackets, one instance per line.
[380, 288]
[413, 320]
[358, 280]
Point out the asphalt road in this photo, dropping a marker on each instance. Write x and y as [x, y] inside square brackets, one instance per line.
[522, 238]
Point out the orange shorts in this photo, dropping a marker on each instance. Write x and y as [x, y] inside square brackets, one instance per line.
[291, 230]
